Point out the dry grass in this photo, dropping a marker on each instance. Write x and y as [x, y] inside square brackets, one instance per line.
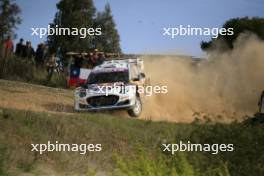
[24, 96]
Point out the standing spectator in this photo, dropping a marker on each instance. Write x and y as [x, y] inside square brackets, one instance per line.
[94, 58]
[59, 60]
[78, 61]
[39, 58]
[8, 47]
[28, 52]
[51, 64]
[97, 58]
[101, 58]
[45, 53]
[19, 48]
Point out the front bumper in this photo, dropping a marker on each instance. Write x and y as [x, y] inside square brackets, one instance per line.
[124, 102]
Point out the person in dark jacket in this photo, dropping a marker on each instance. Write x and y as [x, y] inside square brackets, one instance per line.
[28, 52]
[39, 57]
[101, 58]
[19, 48]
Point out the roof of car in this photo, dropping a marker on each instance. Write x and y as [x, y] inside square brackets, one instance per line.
[115, 65]
[111, 66]
[109, 70]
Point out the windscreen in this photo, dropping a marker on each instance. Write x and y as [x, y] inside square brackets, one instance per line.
[108, 77]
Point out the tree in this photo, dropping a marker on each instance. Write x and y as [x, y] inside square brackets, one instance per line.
[240, 25]
[9, 18]
[73, 14]
[109, 41]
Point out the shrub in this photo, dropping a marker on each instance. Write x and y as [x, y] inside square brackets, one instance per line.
[20, 69]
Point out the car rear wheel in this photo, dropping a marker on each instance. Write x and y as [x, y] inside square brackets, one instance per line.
[136, 110]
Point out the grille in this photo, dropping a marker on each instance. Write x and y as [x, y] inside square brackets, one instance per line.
[98, 101]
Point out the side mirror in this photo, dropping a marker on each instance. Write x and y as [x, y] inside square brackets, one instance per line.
[142, 75]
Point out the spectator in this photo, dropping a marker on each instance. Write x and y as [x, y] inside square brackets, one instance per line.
[28, 51]
[51, 64]
[19, 48]
[39, 58]
[59, 59]
[8, 47]
[95, 58]
[78, 61]
[101, 58]
[45, 52]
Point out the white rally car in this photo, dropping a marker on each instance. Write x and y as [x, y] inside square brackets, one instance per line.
[113, 85]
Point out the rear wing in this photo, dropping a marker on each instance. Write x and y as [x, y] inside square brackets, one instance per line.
[136, 61]
[108, 56]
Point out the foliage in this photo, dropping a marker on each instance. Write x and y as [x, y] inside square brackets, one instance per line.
[253, 25]
[144, 164]
[21, 69]
[130, 147]
[72, 14]
[82, 14]
[109, 40]
[9, 18]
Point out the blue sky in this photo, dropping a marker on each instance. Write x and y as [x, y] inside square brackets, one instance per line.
[140, 22]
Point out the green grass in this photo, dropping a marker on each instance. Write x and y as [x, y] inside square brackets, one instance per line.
[130, 147]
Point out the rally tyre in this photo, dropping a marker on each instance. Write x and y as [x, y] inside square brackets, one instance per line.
[136, 110]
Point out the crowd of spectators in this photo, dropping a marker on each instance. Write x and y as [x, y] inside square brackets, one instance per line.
[42, 58]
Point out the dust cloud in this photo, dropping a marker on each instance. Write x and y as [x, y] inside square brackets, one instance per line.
[224, 87]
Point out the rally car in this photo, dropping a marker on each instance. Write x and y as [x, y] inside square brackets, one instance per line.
[113, 85]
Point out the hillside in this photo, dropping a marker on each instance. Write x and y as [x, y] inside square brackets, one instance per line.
[24, 96]
[129, 146]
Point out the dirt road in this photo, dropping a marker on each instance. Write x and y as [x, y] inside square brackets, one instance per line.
[25, 96]
[18, 95]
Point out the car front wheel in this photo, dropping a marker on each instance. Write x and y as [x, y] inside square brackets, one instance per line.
[136, 110]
